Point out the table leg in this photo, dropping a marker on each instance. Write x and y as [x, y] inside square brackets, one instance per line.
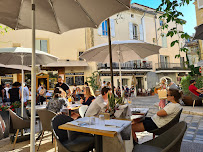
[98, 143]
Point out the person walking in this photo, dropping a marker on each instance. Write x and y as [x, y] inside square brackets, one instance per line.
[162, 102]
[6, 91]
[14, 92]
[25, 92]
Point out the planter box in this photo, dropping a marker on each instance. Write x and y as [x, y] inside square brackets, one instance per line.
[189, 102]
[4, 124]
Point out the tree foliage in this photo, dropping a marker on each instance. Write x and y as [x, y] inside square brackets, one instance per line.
[170, 13]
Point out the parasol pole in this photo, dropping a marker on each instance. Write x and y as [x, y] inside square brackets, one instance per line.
[110, 54]
[33, 83]
[119, 59]
[22, 87]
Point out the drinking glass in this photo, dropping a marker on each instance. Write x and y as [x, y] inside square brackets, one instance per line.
[92, 121]
[101, 120]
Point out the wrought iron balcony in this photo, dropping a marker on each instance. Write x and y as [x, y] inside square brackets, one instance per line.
[131, 65]
[171, 66]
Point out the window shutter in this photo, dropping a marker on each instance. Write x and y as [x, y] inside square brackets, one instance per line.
[164, 41]
[141, 32]
[100, 29]
[37, 45]
[200, 4]
[131, 30]
[44, 46]
[112, 24]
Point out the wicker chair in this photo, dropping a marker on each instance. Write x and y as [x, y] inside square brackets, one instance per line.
[194, 97]
[18, 123]
[163, 129]
[45, 117]
[70, 141]
[169, 141]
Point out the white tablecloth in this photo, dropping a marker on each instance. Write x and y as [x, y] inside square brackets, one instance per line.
[110, 125]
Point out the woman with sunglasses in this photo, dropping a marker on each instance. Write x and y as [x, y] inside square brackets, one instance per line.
[162, 117]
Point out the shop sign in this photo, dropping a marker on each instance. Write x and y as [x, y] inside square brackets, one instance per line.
[76, 73]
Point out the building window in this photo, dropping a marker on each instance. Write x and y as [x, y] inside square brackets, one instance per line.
[135, 36]
[104, 28]
[80, 53]
[42, 45]
[161, 22]
[77, 78]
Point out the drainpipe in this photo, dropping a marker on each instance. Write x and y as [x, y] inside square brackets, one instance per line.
[155, 17]
[143, 25]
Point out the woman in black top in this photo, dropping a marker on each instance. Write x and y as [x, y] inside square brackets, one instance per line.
[14, 93]
[89, 98]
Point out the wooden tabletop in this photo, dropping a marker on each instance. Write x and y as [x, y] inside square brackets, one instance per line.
[87, 130]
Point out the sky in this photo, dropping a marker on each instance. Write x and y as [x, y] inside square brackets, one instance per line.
[187, 10]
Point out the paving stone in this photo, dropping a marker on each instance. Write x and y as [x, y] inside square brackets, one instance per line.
[194, 124]
[198, 141]
[188, 137]
[191, 130]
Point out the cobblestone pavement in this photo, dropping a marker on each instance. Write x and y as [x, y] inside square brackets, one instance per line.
[194, 132]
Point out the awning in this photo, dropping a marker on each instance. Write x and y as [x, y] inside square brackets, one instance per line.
[67, 64]
[12, 69]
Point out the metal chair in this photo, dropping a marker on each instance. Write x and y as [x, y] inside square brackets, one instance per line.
[163, 129]
[169, 141]
[82, 110]
[45, 117]
[18, 123]
[194, 97]
[69, 141]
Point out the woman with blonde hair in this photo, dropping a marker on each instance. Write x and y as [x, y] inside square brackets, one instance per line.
[88, 97]
[162, 102]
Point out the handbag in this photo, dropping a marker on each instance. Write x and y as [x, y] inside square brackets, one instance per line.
[162, 94]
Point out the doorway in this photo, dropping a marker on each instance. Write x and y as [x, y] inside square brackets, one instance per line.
[42, 81]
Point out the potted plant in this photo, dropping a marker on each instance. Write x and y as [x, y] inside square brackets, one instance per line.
[94, 82]
[16, 106]
[3, 108]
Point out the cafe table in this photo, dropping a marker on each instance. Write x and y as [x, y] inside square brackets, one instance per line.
[109, 129]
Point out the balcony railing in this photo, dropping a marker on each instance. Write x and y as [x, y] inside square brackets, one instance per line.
[128, 65]
[170, 66]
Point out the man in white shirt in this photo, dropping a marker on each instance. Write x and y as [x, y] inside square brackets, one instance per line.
[103, 84]
[6, 90]
[99, 105]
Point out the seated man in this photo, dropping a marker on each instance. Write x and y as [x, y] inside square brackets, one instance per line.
[195, 90]
[99, 105]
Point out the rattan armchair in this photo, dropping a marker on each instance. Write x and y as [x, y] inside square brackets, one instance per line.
[18, 123]
[169, 141]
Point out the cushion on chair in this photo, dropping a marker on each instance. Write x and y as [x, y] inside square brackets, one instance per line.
[81, 143]
[146, 148]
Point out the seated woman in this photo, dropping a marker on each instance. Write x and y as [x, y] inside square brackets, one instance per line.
[88, 97]
[56, 103]
[162, 117]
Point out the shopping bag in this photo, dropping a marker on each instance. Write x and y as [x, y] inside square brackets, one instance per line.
[162, 94]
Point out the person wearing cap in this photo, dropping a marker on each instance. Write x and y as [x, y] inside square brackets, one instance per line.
[99, 105]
